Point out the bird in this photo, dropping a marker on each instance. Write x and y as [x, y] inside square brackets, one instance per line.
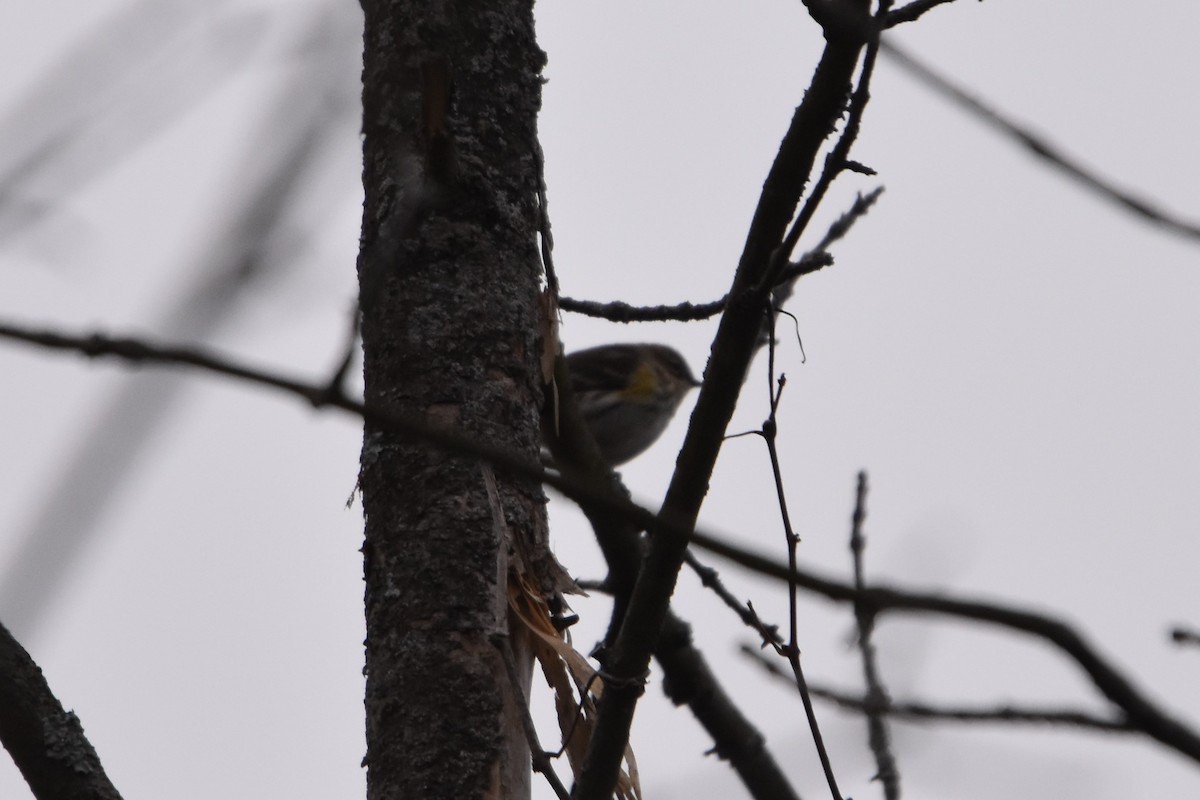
[627, 394]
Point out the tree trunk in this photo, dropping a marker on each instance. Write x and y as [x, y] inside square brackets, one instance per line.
[449, 278]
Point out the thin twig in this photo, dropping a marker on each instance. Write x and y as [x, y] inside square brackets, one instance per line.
[838, 158]
[618, 311]
[840, 227]
[923, 712]
[711, 580]
[1140, 709]
[690, 312]
[1042, 148]
[876, 700]
[792, 649]
[910, 12]
[814, 260]
[732, 349]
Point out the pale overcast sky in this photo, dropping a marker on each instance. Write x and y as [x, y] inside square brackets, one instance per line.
[1013, 361]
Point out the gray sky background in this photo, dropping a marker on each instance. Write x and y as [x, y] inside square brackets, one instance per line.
[1011, 359]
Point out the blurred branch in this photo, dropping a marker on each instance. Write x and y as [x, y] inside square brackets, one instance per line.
[1139, 709]
[139, 70]
[876, 701]
[1185, 636]
[296, 131]
[45, 741]
[1042, 148]
[927, 712]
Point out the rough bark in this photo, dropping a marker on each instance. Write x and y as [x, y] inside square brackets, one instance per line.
[449, 275]
[45, 741]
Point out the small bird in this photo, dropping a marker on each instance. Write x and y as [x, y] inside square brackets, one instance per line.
[627, 394]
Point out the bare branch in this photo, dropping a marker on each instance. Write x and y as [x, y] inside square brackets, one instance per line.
[687, 678]
[876, 702]
[690, 679]
[294, 141]
[911, 711]
[911, 11]
[733, 347]
[837, 161]
[791, 650]
[1042, 148]
[95, 106]
[46, 742]
[1140, 709]
[711, 580]
[1142, 713]
[1185, 636]
[814, 260]
[688, 312]
[618, 311]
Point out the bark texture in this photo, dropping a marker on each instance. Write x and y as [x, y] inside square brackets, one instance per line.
[450, 276]
[45, 741]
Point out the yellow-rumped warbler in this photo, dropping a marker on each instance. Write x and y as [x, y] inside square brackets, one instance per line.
[627, 393]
